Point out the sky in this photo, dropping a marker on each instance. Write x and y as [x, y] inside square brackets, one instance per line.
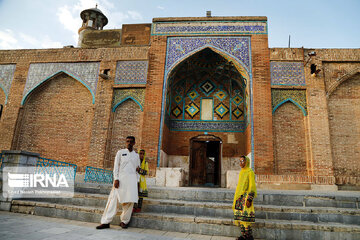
[36, 24]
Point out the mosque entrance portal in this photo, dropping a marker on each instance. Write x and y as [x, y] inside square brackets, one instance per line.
[205, 159]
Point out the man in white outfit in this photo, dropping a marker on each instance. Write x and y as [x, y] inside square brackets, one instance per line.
[125, 189]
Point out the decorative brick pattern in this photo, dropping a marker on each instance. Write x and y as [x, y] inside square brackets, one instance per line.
[202, 27]
[280, 96]
[136, 94]
[86, 73]
[6, 76]
[131, 72]
[287, 73]
[182, 47]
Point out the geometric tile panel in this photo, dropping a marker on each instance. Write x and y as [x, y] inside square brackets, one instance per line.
[176, 111]
[207, 87]
[88, 73]
[131, 72]
[6, 76]
[280, 96]
[193, 94]
[192, 109]
[237, 99]
[180, 47]
[287, 73]
[137, 94]
[237, 113]
[178, 99]
[186, 28]
[221, 110]
[221, 95]
[211, 126]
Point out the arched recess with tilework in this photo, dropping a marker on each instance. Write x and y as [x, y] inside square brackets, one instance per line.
[344, 124]
[56, 120]
[125, 121]
[206, 93]
[289, 140]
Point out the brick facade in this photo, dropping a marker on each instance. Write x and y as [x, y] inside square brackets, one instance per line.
[301, 136]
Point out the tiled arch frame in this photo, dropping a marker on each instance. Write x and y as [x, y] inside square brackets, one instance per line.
[135, 94]
[243, 65]
[281, 96]
[75, 77]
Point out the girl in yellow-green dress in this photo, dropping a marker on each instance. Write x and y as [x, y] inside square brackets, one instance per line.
[143, 171]
[243, 207]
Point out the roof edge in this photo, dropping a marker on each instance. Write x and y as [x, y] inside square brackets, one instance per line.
[188, 19]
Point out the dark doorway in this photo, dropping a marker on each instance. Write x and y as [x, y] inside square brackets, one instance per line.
[205, 164]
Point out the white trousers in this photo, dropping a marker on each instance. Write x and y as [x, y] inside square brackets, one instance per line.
[111, 209]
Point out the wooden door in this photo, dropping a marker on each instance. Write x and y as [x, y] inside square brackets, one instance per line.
[198, 163]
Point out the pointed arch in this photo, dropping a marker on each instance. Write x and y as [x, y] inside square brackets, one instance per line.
[54, 75]
[292, 101]
[240, 66]
[127, 98]
[342, 79]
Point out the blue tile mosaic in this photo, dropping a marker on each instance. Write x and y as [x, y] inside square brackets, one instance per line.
[207, 27]
[287, 73]
[6, 76]
[86, 73]
[211, 126]
[131, 72]
[179, 48]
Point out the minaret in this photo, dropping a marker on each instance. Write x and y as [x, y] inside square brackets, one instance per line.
[93, 19]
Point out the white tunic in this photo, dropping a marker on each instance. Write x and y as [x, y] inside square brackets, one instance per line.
[125, 171]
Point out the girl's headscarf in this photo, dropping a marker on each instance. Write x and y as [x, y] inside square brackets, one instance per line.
[246, 182]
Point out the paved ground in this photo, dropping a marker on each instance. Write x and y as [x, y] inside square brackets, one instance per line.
[14, 226]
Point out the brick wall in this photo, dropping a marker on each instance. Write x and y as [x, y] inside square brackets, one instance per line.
[263, 137]
[99, 124]
[56, 121]
[289, 140]
[125, 122]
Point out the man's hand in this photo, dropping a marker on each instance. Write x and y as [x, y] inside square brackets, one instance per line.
[248, 203]
[116, 183]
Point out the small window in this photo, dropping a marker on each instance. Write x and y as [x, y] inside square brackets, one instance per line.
[90, 23]
[1, 109]
[207, 109]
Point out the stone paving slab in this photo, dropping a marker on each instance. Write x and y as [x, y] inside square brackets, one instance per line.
[16, 226]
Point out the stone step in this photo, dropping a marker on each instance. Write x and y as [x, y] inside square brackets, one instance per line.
[212, 209]
[266, 229]
[340, 199]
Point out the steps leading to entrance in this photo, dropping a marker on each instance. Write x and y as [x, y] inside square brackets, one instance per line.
[208, 211]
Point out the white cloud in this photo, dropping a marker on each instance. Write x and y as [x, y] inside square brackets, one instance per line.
[135, 15]
[8, 40]
[48, 43]
[160, 7]
[29, 39]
